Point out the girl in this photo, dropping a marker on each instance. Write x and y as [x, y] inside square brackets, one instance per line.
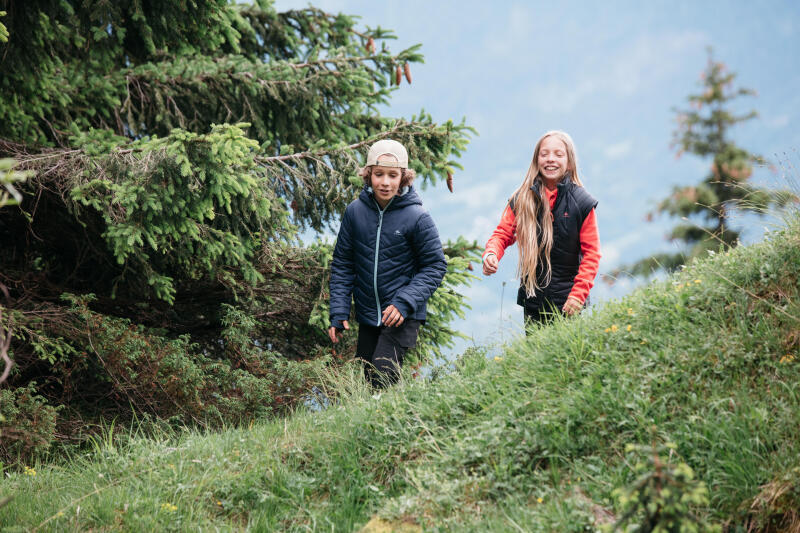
[552, 217]
[389, 259]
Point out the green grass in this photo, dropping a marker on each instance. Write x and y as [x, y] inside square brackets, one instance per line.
[534, 440]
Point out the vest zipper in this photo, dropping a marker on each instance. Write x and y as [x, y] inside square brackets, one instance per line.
[377, 250]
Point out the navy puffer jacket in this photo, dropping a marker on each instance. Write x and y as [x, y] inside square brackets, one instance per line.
[382, 258]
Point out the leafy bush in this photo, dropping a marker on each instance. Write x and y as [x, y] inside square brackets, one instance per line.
[27, 424]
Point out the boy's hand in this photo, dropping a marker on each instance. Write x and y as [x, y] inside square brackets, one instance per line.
[490, 263]
[392, 317]
[335, 333]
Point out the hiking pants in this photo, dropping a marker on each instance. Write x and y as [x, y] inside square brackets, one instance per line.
[540, 316]
[382, 349]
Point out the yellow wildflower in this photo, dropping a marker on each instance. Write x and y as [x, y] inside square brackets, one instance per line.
[29, 471]
[168, 507]
[788, 358]
[498, 358]
[59, 514]
[628, 328]
[614, 328]
[540, 499]
[630, 311]
[607, 330]
[698, 281]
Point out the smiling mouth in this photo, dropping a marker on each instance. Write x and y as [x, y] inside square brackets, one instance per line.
[550, 168]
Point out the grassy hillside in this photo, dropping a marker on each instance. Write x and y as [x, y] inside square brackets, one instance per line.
[699, 371]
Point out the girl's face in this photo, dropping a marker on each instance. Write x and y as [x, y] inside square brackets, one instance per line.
[553, 159]
[385, 181]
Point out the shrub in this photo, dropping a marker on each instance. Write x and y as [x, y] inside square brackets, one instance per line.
[27, 424]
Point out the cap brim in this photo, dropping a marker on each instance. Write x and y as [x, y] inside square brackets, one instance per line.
[393, 164]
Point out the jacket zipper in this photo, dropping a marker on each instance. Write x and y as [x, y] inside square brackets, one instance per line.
[375, 266]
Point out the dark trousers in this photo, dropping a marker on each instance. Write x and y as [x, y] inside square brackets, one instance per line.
[540, 316]
[382, 348]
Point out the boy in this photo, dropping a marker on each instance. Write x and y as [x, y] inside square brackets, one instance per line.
[389, 258]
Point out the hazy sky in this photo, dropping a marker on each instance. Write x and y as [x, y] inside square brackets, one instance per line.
[609, 73]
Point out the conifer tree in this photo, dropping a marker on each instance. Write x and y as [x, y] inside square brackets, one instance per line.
[177, 150]
[704, 130]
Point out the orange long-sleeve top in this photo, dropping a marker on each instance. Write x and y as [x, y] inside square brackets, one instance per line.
[506, 234]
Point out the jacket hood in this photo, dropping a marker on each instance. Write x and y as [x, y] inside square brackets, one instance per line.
[405, 197]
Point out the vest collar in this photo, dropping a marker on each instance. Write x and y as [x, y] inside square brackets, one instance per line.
[560, 186]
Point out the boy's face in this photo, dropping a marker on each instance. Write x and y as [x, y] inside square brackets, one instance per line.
[385, 181]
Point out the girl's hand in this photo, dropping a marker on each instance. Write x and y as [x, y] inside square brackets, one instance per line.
[573, 306]
[392, 317]
[490, 263]
[335, 333]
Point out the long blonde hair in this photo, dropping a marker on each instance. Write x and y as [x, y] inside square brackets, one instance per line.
[530, 208]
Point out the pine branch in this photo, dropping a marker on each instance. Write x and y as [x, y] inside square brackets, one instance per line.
[194, 93]
[317, 154]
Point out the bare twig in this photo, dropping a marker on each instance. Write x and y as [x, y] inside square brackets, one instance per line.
[5, 338]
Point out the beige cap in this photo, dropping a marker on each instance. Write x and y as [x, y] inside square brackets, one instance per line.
[388, 147]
